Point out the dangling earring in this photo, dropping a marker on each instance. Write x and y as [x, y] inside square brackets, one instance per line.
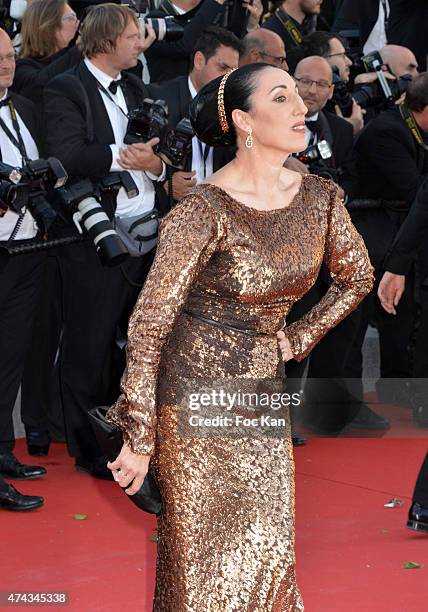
[249, 140]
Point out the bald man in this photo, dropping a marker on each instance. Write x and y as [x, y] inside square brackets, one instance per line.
[330, 402]
[400, 60]
[263, 46]
[20, 281]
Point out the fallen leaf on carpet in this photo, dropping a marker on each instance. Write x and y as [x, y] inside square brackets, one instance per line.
[412, 565]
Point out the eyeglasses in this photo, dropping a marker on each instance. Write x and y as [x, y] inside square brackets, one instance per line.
[307, 83]
[281, 59]
[69, 17]
[343, 55]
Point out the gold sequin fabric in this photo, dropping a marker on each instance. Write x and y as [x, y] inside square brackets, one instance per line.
[223, 280]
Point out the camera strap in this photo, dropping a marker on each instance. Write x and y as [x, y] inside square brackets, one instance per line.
[110, 97]
[290, 26]
[412, 125]
[17, 140]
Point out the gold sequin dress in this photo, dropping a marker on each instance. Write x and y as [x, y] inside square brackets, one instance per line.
[223, 280]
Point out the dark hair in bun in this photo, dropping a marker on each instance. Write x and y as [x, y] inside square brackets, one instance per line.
[240, 86]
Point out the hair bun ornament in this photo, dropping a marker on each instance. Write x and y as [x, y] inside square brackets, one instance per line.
[220, 102]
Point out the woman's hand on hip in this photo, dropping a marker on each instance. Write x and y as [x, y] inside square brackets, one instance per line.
[129, 467]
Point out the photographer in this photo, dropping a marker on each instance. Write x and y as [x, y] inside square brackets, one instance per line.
[86, 111]
[399, 60]
[19, 278]
[167, 60]
[263, 45]
[293, 20]
[331, 47]
[48, 29]
[216, 52]
[392, 158]
[315, 84]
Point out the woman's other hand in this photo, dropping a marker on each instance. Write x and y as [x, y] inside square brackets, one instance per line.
[129, 467]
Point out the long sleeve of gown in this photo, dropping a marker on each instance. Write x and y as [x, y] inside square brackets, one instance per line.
[347, 259]
[188, 237]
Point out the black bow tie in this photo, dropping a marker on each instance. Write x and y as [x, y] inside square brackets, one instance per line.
[114, 85]
[313, 126]
[5, 102]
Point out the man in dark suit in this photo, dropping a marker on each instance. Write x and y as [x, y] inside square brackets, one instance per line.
[20, 279]
[216, 52]
[392, 162]
[329, 403]
[408, 27]
[399, 262]
[86, 111]
[293, 20]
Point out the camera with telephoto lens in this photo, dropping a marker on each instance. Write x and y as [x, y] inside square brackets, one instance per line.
[27, 187]
[82, 198]
[151, 121]
[165, 28]
[377, 95]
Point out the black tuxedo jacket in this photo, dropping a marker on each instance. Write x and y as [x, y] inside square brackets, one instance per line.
[169, 59]
[408, 27]
[412, 237]
[78, 127]
[357, 15]
[391, 165]
[177, 95]
[341, 140]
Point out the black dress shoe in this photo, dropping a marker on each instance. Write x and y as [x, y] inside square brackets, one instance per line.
[96, 468]
[12, 468]
[367, 419]
[418, 517]
[38, 443]
[298, 440]
[38, 450]
[11, 499]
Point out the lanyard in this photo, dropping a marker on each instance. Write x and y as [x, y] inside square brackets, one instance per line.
[17, 140]
[204, 150]
[289, 25]
[412, 125]
[107, 93]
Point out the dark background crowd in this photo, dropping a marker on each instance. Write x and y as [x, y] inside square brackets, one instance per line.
[73, 77]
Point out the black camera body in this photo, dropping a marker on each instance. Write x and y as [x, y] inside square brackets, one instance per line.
[27, 187]
[151, 121]
[317, 152]
[315, 157]
[166, 28]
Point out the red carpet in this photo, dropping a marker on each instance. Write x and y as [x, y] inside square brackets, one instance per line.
[350, 549]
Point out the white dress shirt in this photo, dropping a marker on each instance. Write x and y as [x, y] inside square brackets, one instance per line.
[145, 201]
[198, 151]
[377, 38]
[10, 155]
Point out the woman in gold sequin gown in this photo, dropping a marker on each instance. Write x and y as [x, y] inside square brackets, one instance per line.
[231, 261]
